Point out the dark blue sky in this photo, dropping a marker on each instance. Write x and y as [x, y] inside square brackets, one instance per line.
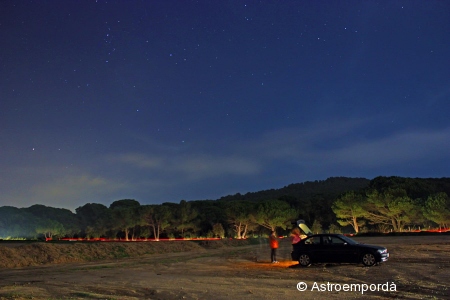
[167, 100]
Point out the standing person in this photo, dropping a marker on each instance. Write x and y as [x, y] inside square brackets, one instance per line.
[273, 241]
[295, 236]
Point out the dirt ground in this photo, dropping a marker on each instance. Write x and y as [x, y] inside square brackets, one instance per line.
[418, 268]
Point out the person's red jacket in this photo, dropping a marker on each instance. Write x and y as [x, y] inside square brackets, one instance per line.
[273, 242]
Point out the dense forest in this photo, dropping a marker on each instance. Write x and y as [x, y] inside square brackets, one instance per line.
[338, 204]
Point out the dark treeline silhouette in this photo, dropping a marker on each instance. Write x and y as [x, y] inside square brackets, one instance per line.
[336, 204]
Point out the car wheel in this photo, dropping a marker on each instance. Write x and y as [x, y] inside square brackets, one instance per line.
[304, 260]
[368, 259]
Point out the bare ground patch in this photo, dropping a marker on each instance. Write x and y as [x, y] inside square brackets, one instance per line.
[418, 266]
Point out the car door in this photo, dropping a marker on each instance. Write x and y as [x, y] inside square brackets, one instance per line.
[322, 251]
[311, 246]
[329, 252]
[342, 251]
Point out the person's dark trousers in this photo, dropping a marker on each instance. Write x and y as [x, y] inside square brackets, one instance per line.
[273, 254]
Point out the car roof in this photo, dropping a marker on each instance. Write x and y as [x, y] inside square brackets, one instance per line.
[326, 234]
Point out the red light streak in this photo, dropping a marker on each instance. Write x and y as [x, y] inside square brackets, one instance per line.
[135, 240]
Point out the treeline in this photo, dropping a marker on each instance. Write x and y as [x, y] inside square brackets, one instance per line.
[395, 203]
[384, 203]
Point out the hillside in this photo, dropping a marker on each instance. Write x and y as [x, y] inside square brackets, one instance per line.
[333, 186]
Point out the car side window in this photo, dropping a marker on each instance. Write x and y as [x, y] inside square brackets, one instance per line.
[335, 240]
[312, 241]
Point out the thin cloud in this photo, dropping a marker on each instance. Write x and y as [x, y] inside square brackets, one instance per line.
[288, 155]
[412, 146]
[140, 160]
[68, 191]
[334, 144]
[201, 166]
[193, 165]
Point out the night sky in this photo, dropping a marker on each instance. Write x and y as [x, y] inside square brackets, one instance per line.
[161, 101]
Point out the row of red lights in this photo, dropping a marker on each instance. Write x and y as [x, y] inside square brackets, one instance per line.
[133, 240]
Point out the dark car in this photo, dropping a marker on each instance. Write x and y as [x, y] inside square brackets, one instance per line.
[336, 248]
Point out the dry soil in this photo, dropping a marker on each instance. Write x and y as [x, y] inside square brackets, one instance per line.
[418, 269]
